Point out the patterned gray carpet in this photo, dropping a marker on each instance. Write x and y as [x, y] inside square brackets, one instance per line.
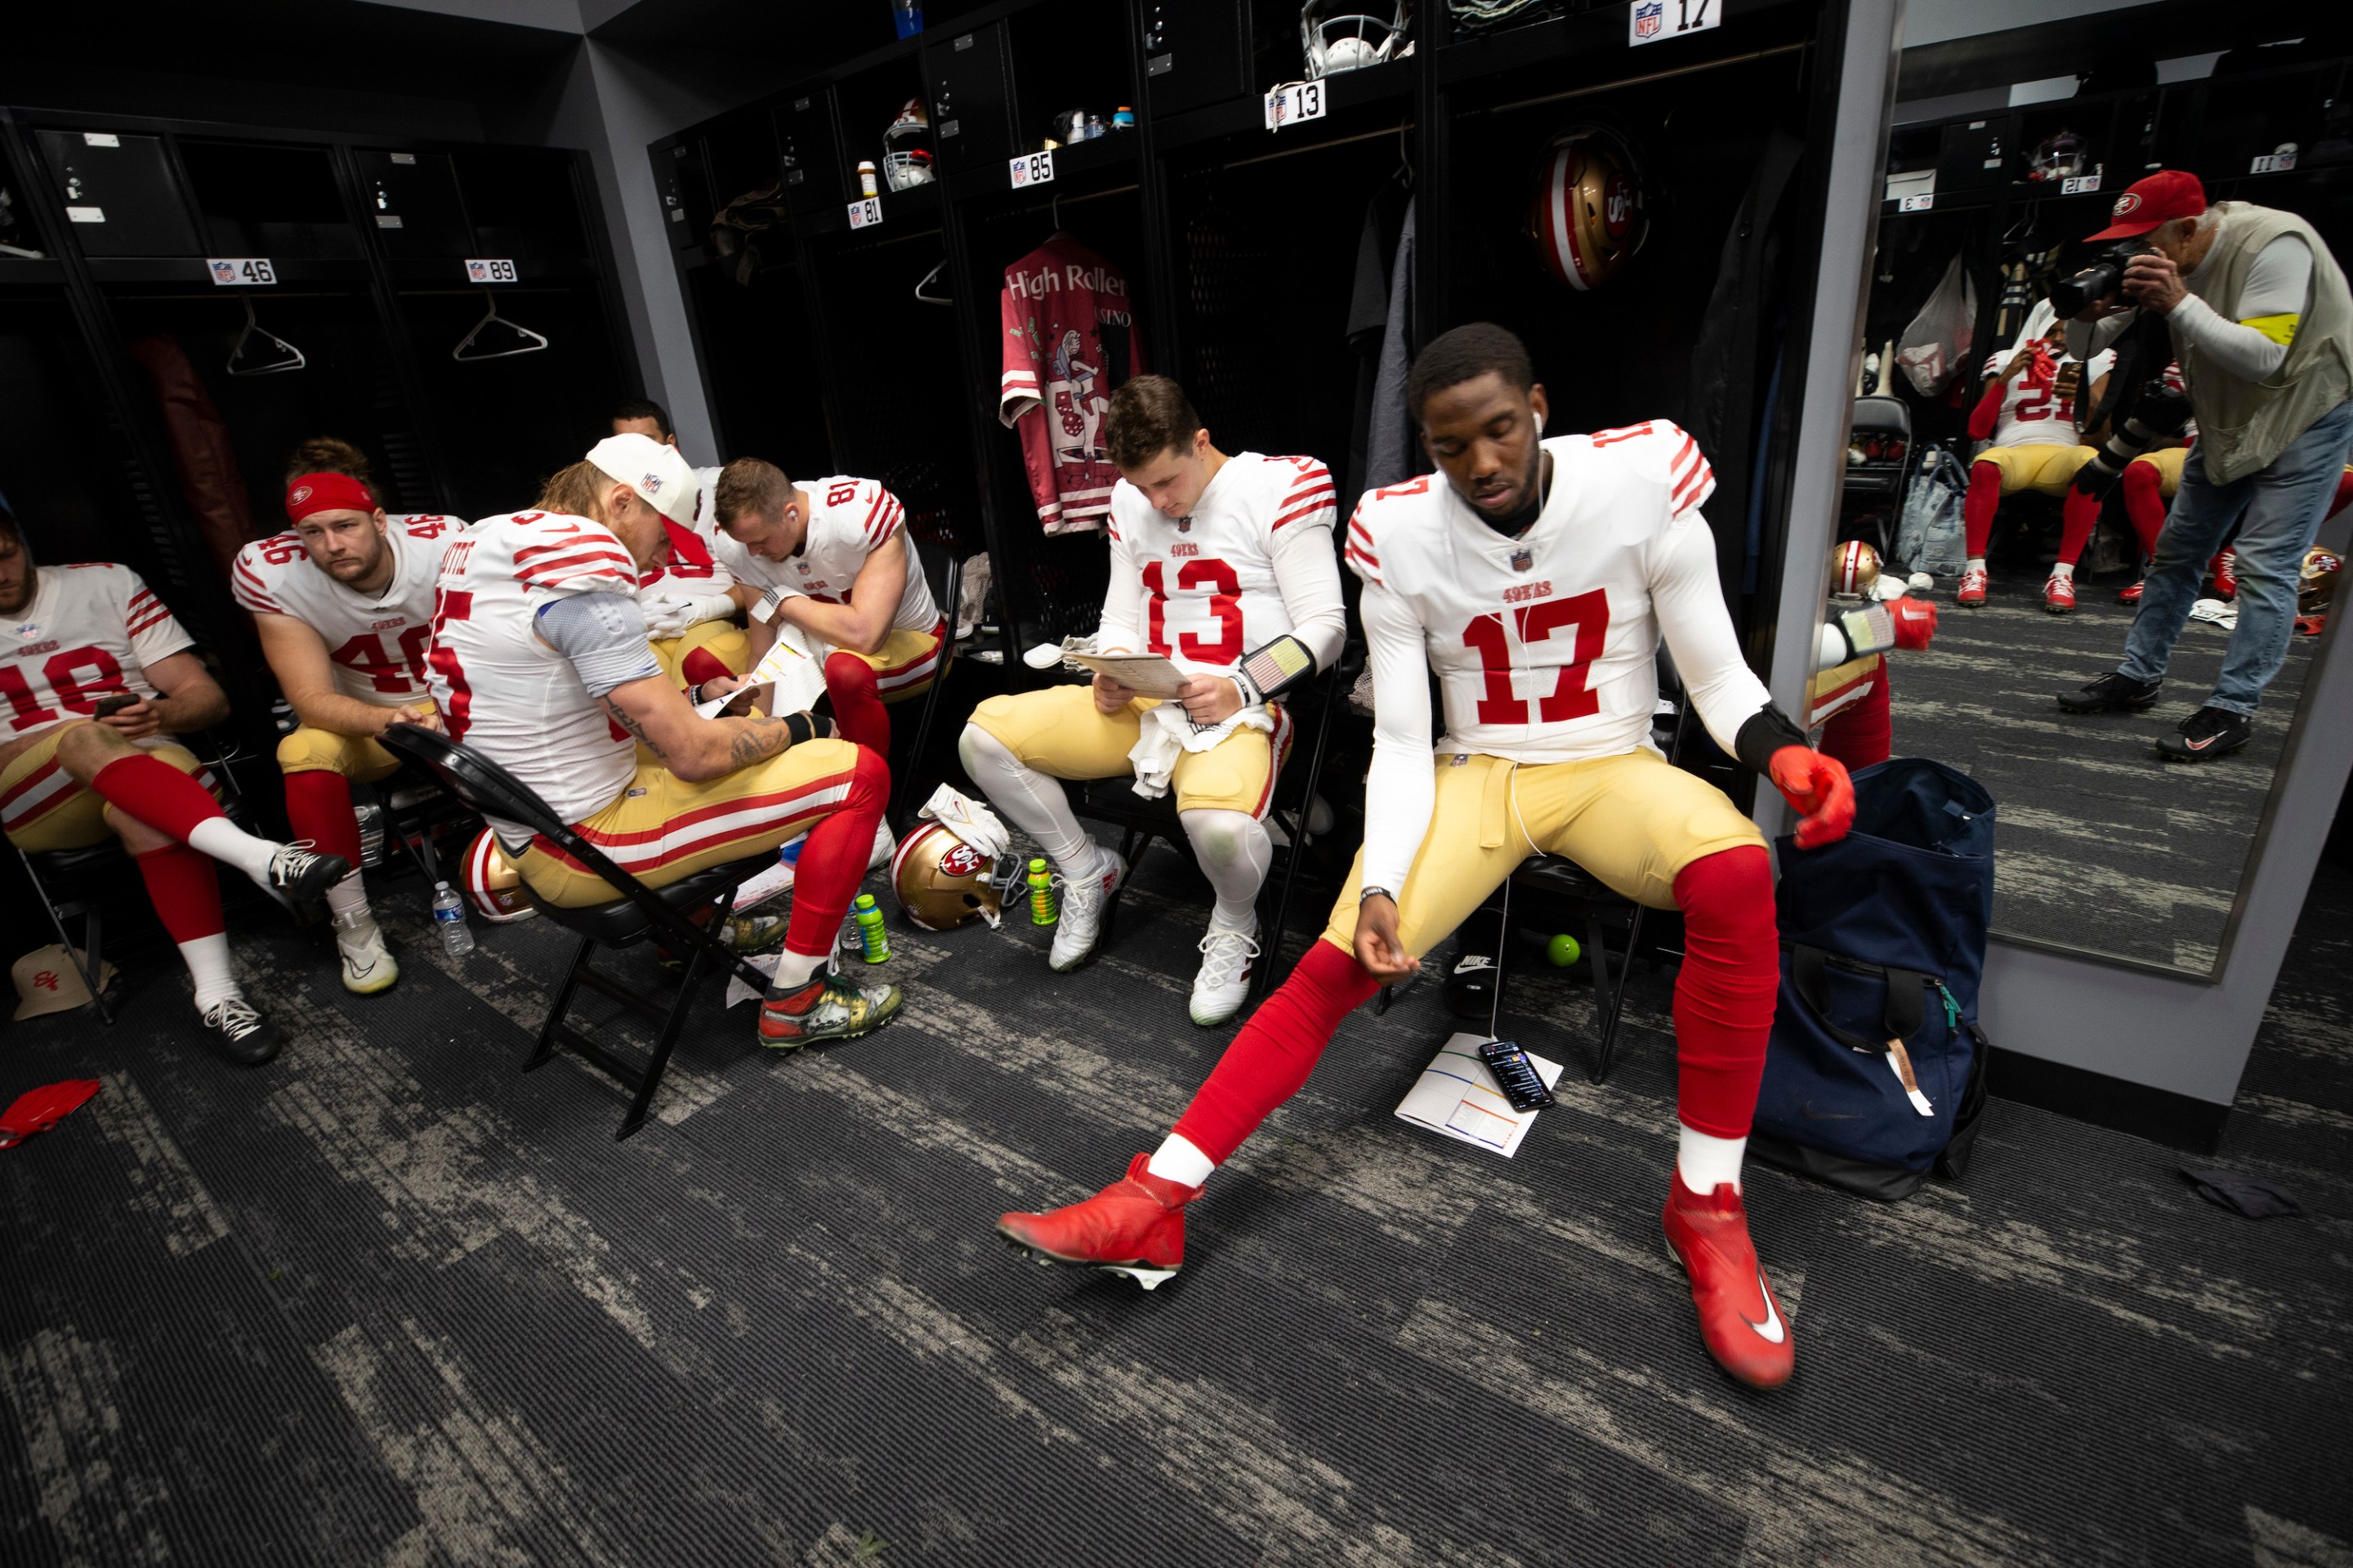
[389, 1301]
[2098, 843]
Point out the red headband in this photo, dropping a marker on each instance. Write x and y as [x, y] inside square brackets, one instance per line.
[314, 492]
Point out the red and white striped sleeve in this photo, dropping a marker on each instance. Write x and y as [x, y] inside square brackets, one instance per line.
[1362, 555]
[573, 557]
[1310, 497]
[1017, 391]
[250, 575]
[1690, 480]
[155, 635]
[883, 515]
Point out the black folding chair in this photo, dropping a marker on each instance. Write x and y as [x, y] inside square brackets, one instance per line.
[1141, 821]
[636, 913]
[1884, 479]
[944, 573]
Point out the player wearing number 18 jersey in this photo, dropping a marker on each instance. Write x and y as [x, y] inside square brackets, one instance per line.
[1536, 578]
[343, 604]
[1214, 559]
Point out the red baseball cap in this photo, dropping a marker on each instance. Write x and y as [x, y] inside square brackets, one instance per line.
[2166, 195]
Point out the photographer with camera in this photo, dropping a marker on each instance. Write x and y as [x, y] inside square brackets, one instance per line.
[2257, 310]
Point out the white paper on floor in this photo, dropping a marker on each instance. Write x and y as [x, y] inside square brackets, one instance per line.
[1458, 1096]
[766, 964]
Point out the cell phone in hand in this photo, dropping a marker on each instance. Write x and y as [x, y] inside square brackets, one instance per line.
[1517, 1077]
[114, 702]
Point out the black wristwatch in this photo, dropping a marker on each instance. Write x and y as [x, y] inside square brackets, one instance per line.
[1368, 892]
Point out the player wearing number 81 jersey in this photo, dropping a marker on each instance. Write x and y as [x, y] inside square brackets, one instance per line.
[343, 604]
[1537, 577]
[1224, 566]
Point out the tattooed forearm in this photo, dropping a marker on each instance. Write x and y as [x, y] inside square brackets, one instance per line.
[620, 715]
[755, 740]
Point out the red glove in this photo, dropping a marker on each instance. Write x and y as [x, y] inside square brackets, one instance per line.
[38, 1110]
[1819, 790]
[1916, 621]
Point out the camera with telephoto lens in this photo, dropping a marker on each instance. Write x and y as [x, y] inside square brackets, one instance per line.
[2098, 281]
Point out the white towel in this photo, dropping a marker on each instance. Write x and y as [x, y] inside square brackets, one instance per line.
[2218, 612]
[968, 819]
[1168, 735]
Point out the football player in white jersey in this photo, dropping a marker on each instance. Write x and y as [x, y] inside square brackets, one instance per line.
[343, 604]
[644, 416]
[1224, 565]
[540, 662]
[688, 594]
[1535, 580]
[833, 557]
[98, 675]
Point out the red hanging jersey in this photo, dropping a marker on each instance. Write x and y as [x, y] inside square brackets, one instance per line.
[1070, 339]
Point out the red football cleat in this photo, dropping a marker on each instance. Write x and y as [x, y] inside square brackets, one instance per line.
[1971, 594]
[1739, 1318]
[1135, 1226]
[2128, 595]
[2225, 579]
[2059, 594]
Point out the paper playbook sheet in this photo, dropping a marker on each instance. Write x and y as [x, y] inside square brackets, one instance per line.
[1456, 1096]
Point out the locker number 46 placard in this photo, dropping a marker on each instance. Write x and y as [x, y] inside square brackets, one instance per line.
[242, 271]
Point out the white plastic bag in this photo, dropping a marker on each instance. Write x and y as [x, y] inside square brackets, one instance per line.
[1936, 346]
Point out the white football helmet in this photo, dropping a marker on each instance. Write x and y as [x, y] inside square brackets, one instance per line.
[906, 156]
[1340, 35]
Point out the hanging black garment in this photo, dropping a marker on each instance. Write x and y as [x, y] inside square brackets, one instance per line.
[1368, 314]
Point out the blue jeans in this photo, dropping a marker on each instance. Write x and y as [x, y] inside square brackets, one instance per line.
[2279, 510]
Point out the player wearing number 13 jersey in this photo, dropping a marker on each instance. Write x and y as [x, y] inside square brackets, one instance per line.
[1224, 566]
[343, 604]
[1536, 578]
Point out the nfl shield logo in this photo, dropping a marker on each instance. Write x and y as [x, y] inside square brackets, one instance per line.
[1522, 560]
[1649, 17]
[224, 271]
[1184, 524]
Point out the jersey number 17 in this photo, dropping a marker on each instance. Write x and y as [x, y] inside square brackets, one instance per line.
[1571, 697]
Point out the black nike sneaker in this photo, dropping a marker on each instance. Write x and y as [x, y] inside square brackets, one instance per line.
[2208, 733]
[2112, 694]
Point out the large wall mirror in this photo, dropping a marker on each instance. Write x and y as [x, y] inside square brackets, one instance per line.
[2104, 849]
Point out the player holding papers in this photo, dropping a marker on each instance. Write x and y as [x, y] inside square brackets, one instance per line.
[1535, 580]
[540, 662]
[1223, 565]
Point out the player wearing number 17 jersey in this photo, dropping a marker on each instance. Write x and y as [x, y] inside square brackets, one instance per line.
[343, 604]
[1535, 580]
[1224, 566]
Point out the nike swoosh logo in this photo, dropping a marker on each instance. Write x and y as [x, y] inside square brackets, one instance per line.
[1770, 1331]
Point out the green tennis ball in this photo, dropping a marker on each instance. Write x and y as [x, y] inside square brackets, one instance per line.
[1563, 950]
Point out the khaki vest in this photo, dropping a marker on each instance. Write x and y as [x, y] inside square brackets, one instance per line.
[2243, 426]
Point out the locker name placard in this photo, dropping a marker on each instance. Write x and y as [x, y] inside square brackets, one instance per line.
[1031, 169]
[497, 270]
[1655, 21]
[1295, 102]
[866, 214]
[240, 272]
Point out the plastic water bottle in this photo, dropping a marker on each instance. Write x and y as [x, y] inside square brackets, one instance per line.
[1041, 893]
[449, 920]
[872, 936]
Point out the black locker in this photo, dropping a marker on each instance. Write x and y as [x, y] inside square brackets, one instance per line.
[412, 201]
[261, 200]
[972, 120]
[811, 149]
[1975, 153]
[120, 195]
[1195, 53]
[685, 190]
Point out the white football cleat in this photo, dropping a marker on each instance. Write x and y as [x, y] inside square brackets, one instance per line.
[1080, 921]
[368, 964]
[1223, 983]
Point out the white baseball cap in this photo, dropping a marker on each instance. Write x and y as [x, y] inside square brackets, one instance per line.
[655, 470]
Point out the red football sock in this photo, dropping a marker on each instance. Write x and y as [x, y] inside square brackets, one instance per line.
[186, 892]
[858, 711]
[319, 804]
[1276, 1050]
[1724, 995]
[1984, 498]
[2144, 504]
[2078, 516]
[1861, 735]
[2344, 496]
[701, 665]
[157, 793]
[833, 860]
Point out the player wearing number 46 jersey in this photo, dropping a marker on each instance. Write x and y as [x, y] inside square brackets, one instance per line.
[97, 676]
[1224, 566]
[343, 604]
[1536, 578]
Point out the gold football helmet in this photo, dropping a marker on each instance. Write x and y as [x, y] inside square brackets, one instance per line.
[942, 881]
[2316, 584]
[1586, 214]
[1854, 570]
[492, 884]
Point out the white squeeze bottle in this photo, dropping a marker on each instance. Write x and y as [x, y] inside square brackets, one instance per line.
[449, 920]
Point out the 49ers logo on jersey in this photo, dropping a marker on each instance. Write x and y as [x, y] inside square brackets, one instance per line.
[964, 861]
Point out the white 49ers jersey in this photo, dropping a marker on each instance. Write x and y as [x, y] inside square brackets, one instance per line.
[1544, 645]
[376, 645]
[1209, 594]
[90, 630]
[688, 566]
[503, 690]
[848, 520]
[2041, 408]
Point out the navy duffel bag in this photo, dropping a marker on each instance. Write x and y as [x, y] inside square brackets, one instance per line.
[1875, 1073]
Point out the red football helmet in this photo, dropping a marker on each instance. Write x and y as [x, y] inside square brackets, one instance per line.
[1586, 214]
[942, 881]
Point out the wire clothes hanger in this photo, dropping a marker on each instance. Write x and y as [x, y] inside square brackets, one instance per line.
[275, 352]
[928, 280]
[533, 342]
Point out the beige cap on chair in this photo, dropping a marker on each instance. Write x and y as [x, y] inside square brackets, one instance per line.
[47, 982]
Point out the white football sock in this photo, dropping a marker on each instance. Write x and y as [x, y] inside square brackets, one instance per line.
[1180, 1162]
[1977, 563]
[1038, 805]
[348, 896]
[1234, 852]
[232, 846]
[1707, 1163]
[794, 971]
[2063, 569]
[209, 965]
